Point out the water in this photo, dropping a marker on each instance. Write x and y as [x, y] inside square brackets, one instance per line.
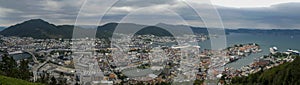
[19, 56]
[282, 42]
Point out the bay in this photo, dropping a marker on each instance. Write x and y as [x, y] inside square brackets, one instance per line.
[282, 42]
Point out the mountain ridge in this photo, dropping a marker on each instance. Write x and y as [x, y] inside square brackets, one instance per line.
[38, 28]
[41, 29]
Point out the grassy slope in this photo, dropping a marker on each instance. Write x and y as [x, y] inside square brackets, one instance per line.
[13, 81]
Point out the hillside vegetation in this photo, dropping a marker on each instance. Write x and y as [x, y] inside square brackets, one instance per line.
[13, 81]
[285, 74]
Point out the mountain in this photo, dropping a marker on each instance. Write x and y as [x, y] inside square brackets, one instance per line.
[153, 30]
[108, 29]
[160, 29]
[37, 28]
[182, 29]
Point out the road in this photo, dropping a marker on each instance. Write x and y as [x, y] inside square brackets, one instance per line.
[36, 68]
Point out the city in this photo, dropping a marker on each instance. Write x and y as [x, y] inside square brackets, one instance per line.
[147, 60]
[149, 42]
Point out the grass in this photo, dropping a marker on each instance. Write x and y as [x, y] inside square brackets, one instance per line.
[13, 81]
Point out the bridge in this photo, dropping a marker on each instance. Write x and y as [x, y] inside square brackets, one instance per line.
[33, 56]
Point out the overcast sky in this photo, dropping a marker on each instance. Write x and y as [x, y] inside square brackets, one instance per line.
[265, 14]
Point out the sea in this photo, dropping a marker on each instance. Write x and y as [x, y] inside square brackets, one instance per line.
[282, 42]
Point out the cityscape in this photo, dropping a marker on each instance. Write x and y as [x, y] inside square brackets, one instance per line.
[132, 42]
[148, 60]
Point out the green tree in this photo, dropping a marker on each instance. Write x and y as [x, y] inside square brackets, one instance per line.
[24, 70]
[53, 81]
[9, 66]
[284, 74]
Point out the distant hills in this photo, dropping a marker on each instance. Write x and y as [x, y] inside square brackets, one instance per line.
[38, 28]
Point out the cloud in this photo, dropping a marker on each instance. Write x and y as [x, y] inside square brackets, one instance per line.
[143, 3]
[275, 16]
[146, 11]
[51, 10]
